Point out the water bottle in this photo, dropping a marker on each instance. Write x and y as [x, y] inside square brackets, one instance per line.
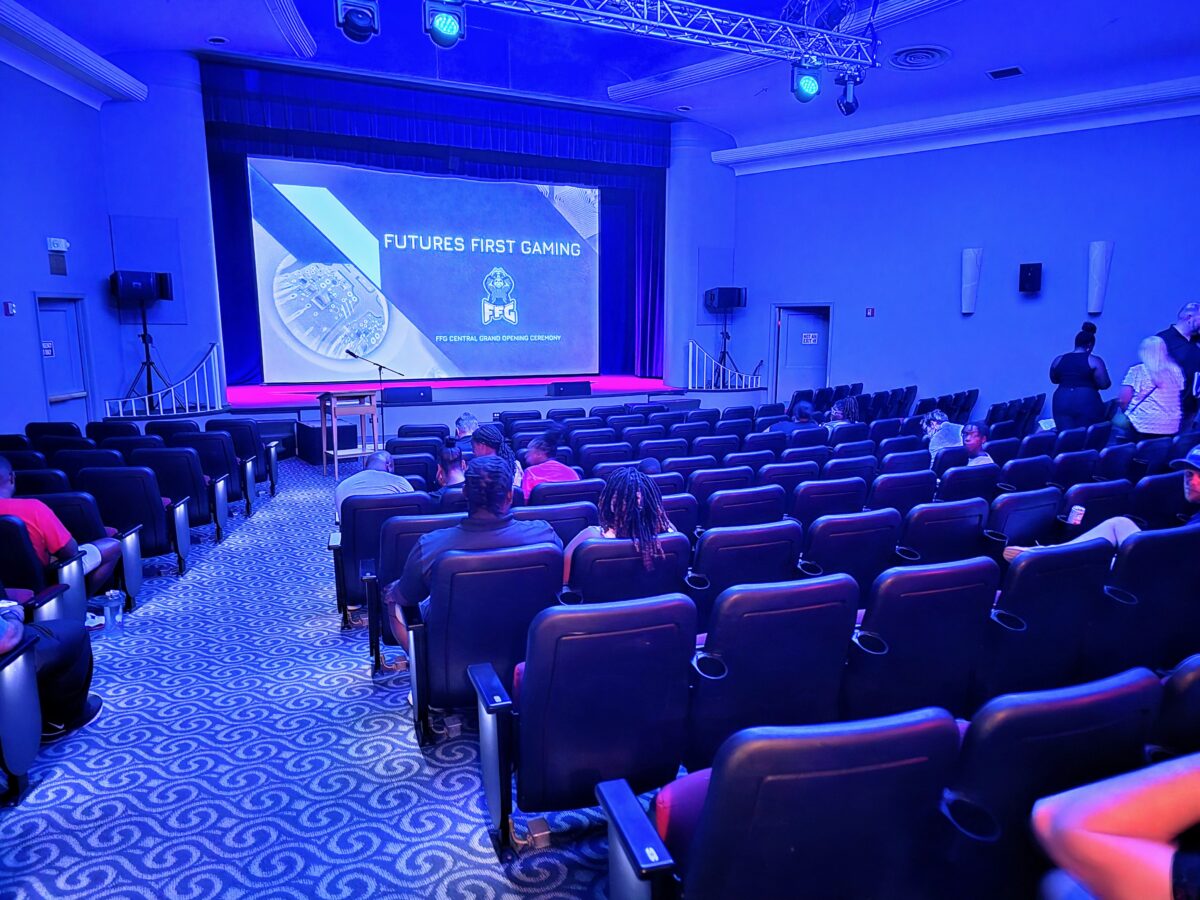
[114, 612]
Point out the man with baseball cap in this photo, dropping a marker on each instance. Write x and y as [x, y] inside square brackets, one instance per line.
[1116, 529]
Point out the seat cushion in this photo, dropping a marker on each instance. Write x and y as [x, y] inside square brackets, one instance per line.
[166, 502]
[677, 813]
[18, 595]
[518, 674]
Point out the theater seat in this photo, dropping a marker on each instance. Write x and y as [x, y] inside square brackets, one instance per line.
[782, 649]
[1029, 473]
[744, 554]
[99, 431]
[1177, 730]
[35, 482]
[129, 497]
[813, 499]
[704, 482]
[218, 457]
[966, 482]
[684, 513]
[180, 477]
[20, 568]
[120, 551]
[567, 519]
[605, 569]
[917, 460]
[1026, 518]
[744, 506]
[604, 695]
[788, 475]
[902, 491]
[842, 810]
[20, 718]
[943, 532]
[25, 460]
[71, 461]
[1159, 501]
[586, 490]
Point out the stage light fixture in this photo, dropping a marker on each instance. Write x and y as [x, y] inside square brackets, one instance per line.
[806, 80]
[848, 81]
[358, 19]
[445, 21]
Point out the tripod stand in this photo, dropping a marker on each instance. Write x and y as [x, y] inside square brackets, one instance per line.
[148, 368]
[382, 405]
[725, 359]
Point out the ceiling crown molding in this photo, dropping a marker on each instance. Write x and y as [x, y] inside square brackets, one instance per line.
[1080, 112]
[291, 26]
[890, 12]
[36, 47]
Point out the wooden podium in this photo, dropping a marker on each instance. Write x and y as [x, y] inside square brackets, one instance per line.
[365, 405]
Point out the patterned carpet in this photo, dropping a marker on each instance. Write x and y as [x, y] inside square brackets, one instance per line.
[244, 751]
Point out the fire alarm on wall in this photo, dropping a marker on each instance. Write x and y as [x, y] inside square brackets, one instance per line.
[870, 312]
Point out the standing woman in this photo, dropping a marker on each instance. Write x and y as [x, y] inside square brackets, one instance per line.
[1151, 391]
[1080, 376]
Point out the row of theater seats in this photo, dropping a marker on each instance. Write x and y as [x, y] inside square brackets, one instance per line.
[132, 497]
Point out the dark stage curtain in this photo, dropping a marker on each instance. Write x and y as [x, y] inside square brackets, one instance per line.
[302, 115]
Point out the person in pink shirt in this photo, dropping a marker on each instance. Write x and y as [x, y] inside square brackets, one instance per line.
[540, 462]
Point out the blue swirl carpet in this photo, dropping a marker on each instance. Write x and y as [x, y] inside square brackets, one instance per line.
[245, 751]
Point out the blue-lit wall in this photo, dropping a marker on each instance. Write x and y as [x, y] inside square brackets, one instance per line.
[66, 168]
[888, 233]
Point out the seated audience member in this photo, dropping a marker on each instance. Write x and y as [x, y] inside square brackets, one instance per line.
[630, 507]
[48, 535]
[464, 427]
[489, 440]
[1150, 394]
[63, 660]
[1131, 837]
[1116, 529]
[650, 466]
[376, 477]
[973, 436]
[843, 412]
[941, 431]
[541, 462]
[489, 525]
[452, 468]
[802, 417]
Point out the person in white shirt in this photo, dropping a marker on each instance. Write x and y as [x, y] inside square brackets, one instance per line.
[376, 477]
[1150, 394]
[974, 434]
[941, 431]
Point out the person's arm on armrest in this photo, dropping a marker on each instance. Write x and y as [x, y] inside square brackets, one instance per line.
[1117, 836]
[11, 628]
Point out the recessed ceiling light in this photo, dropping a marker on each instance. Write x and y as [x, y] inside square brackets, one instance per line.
[917, 59]
[1010, 72]
[218, 40]
[683, 109]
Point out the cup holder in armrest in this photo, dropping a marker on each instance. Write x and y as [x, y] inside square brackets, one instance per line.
[698, 532]
[970, 818]
[697, 581]
[1008, 620]
[870, 642]
[710, 667]
[809, 569]
[1122, 596]
[908, 554]
[569, 597]
[998, 537]
[1005, 488]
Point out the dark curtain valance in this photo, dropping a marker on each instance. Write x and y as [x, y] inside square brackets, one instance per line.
[300, 115]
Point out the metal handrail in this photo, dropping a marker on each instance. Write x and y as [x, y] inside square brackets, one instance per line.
[197, 392]
[706, 374]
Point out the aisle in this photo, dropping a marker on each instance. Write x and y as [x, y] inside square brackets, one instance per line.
[244, 751]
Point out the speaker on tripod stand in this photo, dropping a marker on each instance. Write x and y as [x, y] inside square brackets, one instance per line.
[138, 290]
[722, 301]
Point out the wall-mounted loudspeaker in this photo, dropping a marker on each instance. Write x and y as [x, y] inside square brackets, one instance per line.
[1030, 281]
[137, 288]
[396, 396]
[1099, 261]
[569, 389]
[972, 261]
[723, 299]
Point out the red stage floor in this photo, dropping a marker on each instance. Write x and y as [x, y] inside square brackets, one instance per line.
[258, 396]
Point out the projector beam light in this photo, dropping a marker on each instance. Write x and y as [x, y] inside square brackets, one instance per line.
[806, 81]
[445, 21]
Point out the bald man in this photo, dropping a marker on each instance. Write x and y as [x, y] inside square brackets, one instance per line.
[376, 477]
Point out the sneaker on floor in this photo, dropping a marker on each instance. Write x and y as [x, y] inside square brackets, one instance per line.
[93, 622]
[53, 731]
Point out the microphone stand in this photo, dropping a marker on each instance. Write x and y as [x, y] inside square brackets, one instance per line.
[382, 404]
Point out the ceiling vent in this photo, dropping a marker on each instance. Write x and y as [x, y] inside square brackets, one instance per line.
[917, 59]
[1010, 72]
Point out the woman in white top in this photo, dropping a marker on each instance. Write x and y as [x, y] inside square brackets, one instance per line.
[1150, 393]
[631, 508]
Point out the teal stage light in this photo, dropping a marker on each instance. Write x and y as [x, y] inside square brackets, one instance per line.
[445, 22]
[806, 81]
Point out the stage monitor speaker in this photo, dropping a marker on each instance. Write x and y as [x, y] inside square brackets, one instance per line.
[1030, 281]
[135, 288]
[395, 396]
[723, 299]
[569, 389]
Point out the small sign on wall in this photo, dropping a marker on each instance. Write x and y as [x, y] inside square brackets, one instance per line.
[808, 337]
[48, 349]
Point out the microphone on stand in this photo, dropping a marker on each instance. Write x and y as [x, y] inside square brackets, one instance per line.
[351, 353]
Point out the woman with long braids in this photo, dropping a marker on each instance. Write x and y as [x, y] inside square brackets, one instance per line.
[489, 440]
[630, 508]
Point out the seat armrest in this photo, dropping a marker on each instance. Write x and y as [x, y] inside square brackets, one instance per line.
[181, 533]
[40, 599]
[23, 646]
[58, 565]
[489, 689]
[122, 535]
[631, 838]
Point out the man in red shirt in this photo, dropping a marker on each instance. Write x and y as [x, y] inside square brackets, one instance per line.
[48, 535]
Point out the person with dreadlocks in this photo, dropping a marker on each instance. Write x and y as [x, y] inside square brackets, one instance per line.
[488, 440]
[542, 462]
[489, 525]
[630, 508]
[843, 412]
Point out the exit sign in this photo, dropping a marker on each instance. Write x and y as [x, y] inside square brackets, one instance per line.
[870, 312]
